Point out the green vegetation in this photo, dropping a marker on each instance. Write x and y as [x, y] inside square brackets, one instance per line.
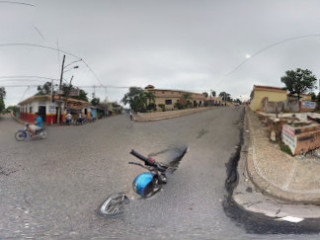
[139, 99]
[95, 101]
[2, 97]
[225, 96]
[299, 81]
[285, 148]
[163, 107]
[46, 89]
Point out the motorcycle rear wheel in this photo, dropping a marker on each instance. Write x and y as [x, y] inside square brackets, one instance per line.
[20, 136]
[113, 205]
[43, 134]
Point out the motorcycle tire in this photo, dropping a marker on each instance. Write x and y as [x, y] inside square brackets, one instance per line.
[20, 136]
[43, 134]
[114, 205]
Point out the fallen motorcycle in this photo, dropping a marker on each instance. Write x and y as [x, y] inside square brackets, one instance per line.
[146, 184]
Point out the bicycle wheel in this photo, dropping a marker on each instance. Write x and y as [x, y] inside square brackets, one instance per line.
[114, 204]
[20, 136]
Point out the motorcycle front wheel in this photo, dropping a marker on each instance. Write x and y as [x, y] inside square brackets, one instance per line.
[114, 205]
[20, 136]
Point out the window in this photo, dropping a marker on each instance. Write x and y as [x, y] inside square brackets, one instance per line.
[168, 101]
[30, 109]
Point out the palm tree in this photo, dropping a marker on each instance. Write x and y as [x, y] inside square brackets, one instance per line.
[151, 98]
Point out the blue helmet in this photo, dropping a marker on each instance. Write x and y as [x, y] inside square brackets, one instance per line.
[143, 183]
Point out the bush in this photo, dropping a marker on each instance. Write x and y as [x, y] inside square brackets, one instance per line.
[178, 105]
[162, 106]
[152, 107]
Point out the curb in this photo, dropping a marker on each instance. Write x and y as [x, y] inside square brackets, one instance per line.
[250, 196]
[267, 187]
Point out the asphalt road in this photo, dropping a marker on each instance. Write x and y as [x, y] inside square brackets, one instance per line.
[51, 189]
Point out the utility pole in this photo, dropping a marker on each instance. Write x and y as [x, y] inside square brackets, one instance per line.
[67, 95]
[61, 77]
[52, 100]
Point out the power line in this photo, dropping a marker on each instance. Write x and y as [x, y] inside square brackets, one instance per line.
[53, 49]
[24, 94]
[20, 3]
[28, 77]
[271, 46]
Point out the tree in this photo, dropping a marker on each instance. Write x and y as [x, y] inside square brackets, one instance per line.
[95, 101]
[237, 101]
[185, 99]
[45, 89]
[82, 96]
[213, 93]
[205, 94]
[136, 98]
[13, 108]
[225, 96]
[2, 97]
[299, 81]
[150, 100]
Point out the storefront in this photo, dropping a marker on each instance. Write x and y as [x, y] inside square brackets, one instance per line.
[48, 108]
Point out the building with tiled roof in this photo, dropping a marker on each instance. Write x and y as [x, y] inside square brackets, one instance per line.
[169, 98]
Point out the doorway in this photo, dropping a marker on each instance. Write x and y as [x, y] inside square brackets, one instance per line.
[42, 113]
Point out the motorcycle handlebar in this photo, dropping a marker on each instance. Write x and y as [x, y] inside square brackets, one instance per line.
[143, 158]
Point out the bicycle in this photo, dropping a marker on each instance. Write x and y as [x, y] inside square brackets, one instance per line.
[146, 184]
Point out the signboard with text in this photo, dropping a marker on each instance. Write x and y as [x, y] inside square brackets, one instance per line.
[74, 92]
[308, 105]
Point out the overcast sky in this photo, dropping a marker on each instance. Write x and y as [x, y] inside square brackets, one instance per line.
[194, 45]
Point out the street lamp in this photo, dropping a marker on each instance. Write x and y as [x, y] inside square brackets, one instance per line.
[61, 77]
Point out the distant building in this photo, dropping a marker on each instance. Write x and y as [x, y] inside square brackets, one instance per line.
[213, 101]
[273, 94]
[169, 98]
[48, 108]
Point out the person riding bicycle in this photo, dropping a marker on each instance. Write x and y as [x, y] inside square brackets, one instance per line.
[38, 124]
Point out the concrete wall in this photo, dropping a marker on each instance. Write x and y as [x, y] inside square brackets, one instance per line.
[272, 97]
[156, 116]
[174, 100]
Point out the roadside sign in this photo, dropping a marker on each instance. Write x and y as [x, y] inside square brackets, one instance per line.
[308, 105]
[74, 92]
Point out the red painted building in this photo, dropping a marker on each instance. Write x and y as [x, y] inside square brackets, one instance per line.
[48, 107]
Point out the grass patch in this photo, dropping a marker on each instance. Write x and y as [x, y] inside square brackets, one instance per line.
[285, 148]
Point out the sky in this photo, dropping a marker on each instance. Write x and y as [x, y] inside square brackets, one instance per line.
[192, 45]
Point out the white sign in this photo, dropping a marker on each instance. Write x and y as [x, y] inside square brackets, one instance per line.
[52, 109]
[288, 137]
[308, 105]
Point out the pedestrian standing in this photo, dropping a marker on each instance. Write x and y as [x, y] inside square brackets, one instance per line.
[69, 117]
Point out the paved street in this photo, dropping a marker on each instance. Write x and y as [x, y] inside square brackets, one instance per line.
[51, 189]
